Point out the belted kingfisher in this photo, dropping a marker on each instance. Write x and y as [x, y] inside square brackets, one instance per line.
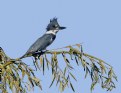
[43, 42]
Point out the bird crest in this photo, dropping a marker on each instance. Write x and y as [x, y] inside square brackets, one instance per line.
[53, 24]
[53, 20]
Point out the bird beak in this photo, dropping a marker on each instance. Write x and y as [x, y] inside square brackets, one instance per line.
[61, 28]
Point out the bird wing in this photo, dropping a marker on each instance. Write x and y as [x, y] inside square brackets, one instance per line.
[41, 43]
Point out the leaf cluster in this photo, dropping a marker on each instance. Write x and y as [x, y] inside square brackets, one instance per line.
[13, 71]
[12, 74]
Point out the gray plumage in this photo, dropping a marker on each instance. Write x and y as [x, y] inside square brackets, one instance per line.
[43, 42]
[40, 44]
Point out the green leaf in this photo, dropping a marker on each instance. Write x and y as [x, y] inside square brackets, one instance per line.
[60, 86]
[43, 65]
[76, 61]
[47, 62]
[58, 80]
[30, 80]
[37, 65]
[69, 66]
[52, 82]
[110, 73]
[41, 60]
[86, 71]
[92, 86]
[72, 87]
[103, 69]
[66, 60]
[23, 73]
[73, 76]
[65, 71]
[83, 63]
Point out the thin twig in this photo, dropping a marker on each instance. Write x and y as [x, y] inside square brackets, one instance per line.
[66, 46]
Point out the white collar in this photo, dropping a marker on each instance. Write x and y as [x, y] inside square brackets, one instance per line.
[51, 32]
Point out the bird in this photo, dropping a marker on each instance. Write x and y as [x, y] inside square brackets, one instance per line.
[45, 40]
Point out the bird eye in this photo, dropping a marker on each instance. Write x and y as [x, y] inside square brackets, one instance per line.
[54, 26]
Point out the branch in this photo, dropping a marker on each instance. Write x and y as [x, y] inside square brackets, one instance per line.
[96, 68]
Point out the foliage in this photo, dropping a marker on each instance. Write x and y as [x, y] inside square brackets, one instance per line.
[13, 71]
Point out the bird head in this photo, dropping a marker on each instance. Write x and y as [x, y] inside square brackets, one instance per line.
[54, 26]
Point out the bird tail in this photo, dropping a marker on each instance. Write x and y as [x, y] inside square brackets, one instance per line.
[33, 54]
[23, 56]
[26, 55]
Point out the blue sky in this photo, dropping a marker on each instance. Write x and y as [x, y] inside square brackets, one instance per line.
[96, 23]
